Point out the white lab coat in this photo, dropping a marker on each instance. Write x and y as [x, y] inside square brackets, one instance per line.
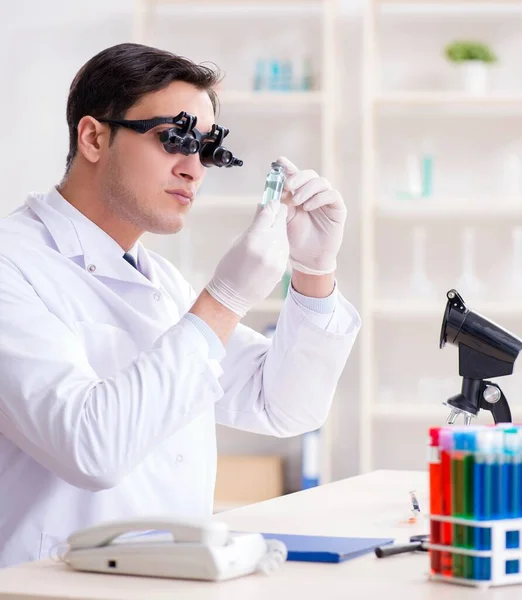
[108, 397]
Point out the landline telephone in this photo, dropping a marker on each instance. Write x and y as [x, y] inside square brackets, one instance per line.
[158, 547]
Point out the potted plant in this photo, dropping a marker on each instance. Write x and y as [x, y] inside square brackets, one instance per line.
[473, 58]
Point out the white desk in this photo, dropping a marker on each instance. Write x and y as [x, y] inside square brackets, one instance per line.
[372, 505]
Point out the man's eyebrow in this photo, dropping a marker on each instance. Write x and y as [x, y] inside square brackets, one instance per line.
[171, 117]
[206, 132]
[167, 125]
[157, 117]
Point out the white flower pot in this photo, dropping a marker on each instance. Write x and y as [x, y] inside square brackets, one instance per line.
[475, 76]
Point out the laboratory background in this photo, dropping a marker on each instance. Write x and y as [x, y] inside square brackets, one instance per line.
[412, 109]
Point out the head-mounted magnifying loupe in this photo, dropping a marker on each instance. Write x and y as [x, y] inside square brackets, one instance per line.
[184, 138]
[180, 139]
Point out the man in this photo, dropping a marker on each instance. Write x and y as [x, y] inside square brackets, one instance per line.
[113, 373]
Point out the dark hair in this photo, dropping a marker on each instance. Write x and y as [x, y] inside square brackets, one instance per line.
[116, 79]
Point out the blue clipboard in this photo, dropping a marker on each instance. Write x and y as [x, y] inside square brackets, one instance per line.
[314, 548]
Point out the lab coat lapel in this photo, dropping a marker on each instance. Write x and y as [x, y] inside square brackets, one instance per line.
[101, 263]
[146, 266]
[102, 256]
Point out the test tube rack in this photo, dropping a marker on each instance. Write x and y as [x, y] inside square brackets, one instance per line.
[476, 504]
[500, 564]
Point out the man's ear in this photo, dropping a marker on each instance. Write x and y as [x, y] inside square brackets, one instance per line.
[93, 136]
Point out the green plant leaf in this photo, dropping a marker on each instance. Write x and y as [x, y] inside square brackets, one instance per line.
[461, 51]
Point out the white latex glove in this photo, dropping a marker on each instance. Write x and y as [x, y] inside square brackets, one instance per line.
[255, 263]
[316, 218]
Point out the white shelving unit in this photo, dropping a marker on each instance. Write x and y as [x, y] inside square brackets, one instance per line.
[271, 99]
[452, 99]
[394, 309]
[379, 104]
[447, 3]
[445, 209]
[324, 99]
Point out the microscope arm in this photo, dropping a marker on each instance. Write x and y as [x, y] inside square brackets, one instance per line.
[478, 394]
[492, 398]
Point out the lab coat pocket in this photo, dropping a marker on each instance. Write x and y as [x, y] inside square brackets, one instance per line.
[109, 349]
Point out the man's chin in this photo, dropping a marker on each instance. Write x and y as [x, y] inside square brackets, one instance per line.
[167, 227]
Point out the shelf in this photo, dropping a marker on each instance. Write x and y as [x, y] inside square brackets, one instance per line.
[453, 100]
[435, 414]
[239, 3]
[443, 209]
[236, 9]
[411, 411]
[390, 309]
[270, 98]
[476, 8]
[460, 8]
[449, 2]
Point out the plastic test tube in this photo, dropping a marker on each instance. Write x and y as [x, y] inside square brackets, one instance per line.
[510, 482]
[463, 475]
[479, 499]
[509, 473]
[435, 498]
[484, 495]
[274, 184]
[518, 467]
[469, 471]
[446, 441]
[461, 455]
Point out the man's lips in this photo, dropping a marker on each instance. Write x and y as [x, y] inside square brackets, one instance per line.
[182, 196]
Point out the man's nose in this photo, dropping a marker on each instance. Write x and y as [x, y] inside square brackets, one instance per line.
[189, 168]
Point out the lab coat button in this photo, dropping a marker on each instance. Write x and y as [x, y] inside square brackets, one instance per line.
[157, 296]
[179, 457]
[91, 268]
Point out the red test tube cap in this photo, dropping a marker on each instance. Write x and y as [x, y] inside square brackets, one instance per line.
[434, 436]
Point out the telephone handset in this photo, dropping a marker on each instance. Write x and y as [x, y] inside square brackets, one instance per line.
[157, 547]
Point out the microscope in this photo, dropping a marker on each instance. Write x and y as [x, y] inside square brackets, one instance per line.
[485, 350]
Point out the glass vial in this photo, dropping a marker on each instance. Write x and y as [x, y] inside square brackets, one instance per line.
[274, 184]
